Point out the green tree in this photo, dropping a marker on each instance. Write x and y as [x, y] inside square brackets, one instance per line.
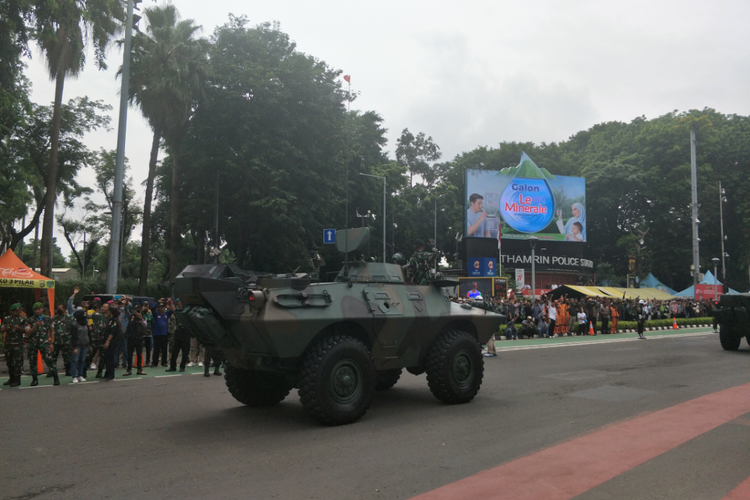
[272, 126]
[168, 69]
[14, 37]
[416, 153]
[61, 29]
[29, 150]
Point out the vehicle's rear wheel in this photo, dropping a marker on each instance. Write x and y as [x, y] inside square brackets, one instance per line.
[730, 340]
[385, 379]
[256, 388]
[337, 382]
[455, 367]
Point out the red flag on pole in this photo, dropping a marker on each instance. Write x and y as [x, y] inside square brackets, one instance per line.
[348, 78]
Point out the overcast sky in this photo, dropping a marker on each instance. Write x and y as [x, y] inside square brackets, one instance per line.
[477, 73]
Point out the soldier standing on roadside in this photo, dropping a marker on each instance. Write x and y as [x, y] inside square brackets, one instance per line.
[421, 263]
[13, 329]
[98, 322]
[41, 339]
[61, 325]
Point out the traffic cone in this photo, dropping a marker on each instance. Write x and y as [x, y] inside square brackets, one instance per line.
[591, 329]
[674, 323]
[39, 363]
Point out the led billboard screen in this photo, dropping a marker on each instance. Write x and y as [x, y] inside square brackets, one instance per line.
[523, 201]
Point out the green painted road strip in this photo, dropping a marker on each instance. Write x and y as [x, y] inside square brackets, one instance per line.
[525, 344]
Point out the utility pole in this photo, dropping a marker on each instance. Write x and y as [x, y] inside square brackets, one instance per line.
[694, 190]
[722, 200]
[115, 234]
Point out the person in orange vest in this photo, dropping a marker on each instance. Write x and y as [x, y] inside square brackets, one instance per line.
[614, 311]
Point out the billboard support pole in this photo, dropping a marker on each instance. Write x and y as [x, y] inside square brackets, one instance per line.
[532, 242]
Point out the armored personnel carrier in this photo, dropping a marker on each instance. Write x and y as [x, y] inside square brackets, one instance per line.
[733, 315]
[336, 342]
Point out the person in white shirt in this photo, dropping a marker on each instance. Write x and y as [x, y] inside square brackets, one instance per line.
[582, 321]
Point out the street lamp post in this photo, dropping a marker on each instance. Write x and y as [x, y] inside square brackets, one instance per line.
[716, 291]
[384, 217]
[533, 241]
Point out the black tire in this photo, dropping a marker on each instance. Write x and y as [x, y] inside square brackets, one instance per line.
[729, 339]
[385, 379]
[748, 340]
[415, 370]
[255, 388]
[337, 382]
[455, 367]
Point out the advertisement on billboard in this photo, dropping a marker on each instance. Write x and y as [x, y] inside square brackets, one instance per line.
[523, 201]
[482, 267]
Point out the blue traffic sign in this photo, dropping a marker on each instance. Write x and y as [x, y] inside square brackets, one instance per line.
[329, 236]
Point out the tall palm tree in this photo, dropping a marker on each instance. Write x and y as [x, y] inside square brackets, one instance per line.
[169, 66]
[62, 29]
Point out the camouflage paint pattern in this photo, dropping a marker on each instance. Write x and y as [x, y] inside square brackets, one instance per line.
[373, 303]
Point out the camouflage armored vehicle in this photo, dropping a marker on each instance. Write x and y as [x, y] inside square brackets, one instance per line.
[733, 315]
[336, 342]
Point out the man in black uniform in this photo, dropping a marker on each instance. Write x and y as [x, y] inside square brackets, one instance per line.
[181, 341]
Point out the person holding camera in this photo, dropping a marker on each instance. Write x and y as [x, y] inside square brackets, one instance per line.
[164, 311]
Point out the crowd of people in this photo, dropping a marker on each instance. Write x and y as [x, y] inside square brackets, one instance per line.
[546, 317]
[101, 336]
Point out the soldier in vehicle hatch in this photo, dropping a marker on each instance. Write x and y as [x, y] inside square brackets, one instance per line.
[420, 264]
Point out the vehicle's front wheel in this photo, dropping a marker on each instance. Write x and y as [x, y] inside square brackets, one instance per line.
[256, 388]
[337, 382]
[455, 367]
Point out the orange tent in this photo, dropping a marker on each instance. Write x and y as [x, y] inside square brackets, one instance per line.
[15, 274]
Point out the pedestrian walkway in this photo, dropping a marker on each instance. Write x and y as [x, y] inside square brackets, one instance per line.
[158, 372]
[518, 345]
[585, 462]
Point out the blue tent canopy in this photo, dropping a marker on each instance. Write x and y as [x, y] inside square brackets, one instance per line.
[651, 281]
[708, 279]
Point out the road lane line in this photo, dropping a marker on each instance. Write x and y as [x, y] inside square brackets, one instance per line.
[741, 492]
[589, 460]
[167, 376]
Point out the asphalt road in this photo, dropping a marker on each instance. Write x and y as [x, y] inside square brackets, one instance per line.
[185, 437]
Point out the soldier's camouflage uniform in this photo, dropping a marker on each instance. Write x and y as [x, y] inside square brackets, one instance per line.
[14, 345]
[39, 342]
[61, 325]
[420, 265]
[98, 324]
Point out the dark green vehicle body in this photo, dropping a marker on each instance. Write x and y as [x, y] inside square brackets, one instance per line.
[398, 322]
[733, 315]
[277, 331]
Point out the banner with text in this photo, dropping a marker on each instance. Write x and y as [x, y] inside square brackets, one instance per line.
[523, 201]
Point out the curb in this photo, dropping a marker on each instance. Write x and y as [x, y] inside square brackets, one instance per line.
[649, 329]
